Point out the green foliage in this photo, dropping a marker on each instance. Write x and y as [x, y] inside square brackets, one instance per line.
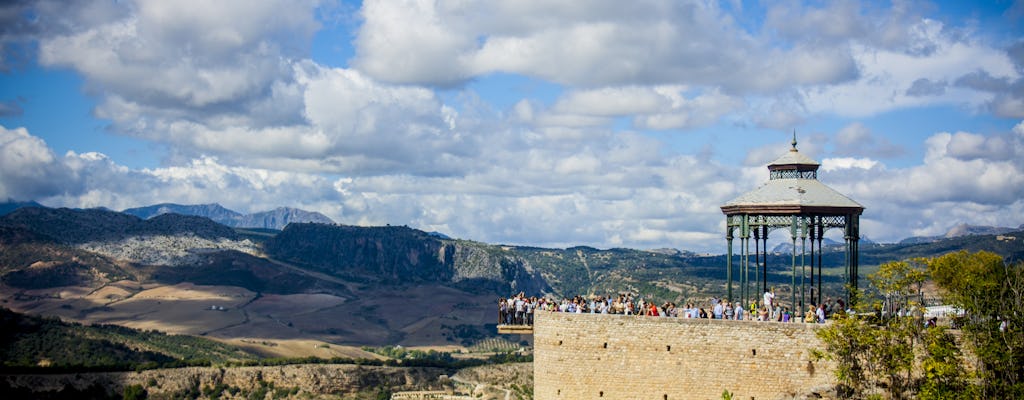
[869, 357]
[522, 392]
[135, 392]
[873, 355]
[880, 355]
[944, 378]
[898, 282]
[991, 293]
[30, 343]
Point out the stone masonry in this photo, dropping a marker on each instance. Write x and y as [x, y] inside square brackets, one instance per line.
[594, 356]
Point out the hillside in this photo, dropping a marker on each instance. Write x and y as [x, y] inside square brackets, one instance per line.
[344, 285]
[28, 341]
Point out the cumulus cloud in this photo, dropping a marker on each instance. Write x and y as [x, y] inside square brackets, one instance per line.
[926, 87]
[886, 76]
[162, 69]
[606, 43]
[858, 140]
[963, 177]
[620, 192]
[28, 168]
[649, 107]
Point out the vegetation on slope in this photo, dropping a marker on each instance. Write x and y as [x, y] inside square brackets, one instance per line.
[28, 343]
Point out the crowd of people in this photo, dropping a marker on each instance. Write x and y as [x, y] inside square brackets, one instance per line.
[520, 309]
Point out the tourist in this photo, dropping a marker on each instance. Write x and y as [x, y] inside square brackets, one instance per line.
[763, 314]
[785, 315]
[520, 309]
[502, 311]
[717, 310]
[531, 305]
[769, 301]
[739, 311]
[809, 317]
[821, 313]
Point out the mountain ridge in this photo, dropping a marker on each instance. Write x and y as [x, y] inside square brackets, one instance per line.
[277, 218]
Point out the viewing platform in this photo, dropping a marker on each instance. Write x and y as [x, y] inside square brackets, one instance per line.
[505, 329]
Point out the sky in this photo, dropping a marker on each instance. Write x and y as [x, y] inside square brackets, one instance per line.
[543, 123]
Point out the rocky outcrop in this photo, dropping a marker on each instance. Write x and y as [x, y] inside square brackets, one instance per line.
[308, 379]
[402, 254]
[475, 261]
[166, 249]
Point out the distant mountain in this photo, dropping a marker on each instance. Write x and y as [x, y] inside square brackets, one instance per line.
[829, 244]
[11, 205]
[277, 218]
[212, 211]
[967, 230]
[80, 226]
[960, 230]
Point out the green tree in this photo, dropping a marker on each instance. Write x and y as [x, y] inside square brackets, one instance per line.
[941, 365]
[898, 283]
[880, 355]
[990, 291]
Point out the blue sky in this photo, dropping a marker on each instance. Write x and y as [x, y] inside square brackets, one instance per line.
[546, 123]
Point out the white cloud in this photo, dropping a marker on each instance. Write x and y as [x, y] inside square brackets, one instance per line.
[650, 107]
[958, 181]
[887, 75]
[606, 43]
[28, 168]
[856, 139]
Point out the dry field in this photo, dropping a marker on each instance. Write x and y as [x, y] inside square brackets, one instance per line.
[294, 325]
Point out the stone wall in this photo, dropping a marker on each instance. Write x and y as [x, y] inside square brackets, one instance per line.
[594, 356]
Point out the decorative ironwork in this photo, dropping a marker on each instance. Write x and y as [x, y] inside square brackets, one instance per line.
[792, 174]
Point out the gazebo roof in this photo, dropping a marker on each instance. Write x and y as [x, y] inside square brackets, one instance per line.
[793, 189]
[794, 157]
[792, 196]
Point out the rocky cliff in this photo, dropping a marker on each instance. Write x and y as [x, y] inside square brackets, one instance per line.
[397, 254]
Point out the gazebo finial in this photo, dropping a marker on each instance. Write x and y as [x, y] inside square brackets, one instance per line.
[794, 141]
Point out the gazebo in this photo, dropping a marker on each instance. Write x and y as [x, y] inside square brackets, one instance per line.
[792, 199]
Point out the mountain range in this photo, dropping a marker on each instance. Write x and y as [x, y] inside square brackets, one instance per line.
[157, 269]
[277, 218]
[963, 230]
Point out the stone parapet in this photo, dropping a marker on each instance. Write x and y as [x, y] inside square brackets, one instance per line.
[595, 356]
